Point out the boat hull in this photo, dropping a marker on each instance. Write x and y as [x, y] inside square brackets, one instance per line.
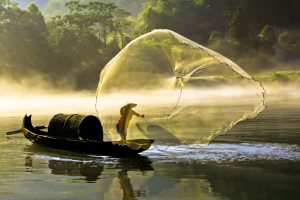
[116, 148]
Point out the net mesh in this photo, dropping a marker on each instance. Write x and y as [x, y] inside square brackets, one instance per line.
[188, 93]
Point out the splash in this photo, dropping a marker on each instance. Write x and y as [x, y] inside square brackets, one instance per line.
[188, 93]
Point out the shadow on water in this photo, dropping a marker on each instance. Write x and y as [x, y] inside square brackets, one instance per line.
[253, 180]
[66, 159]
[162, 135]
[90, 170]
[90, 167]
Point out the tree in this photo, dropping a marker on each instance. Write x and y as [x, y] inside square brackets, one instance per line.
[97, 16]
[102, 15]
[23, 38]
[238, 29]
[195, 19]
[290, 40]
[122, 26]
[267, 36]
[215, 36]
[84, 39]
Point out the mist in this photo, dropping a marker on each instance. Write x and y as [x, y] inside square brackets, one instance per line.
[38, 97]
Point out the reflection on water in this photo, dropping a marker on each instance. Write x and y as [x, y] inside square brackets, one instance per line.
[139, 178]
[252, 169]
[90, 169]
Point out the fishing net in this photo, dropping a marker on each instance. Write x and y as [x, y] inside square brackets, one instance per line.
[188, 93]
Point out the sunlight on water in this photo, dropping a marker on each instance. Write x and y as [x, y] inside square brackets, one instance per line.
[225, 152]
[212, 153]
[218, 171]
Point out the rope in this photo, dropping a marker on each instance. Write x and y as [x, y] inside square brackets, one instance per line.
[176, 105]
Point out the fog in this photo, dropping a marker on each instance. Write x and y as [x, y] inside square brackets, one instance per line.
[38, 97]
[192, 96]
[190, 116]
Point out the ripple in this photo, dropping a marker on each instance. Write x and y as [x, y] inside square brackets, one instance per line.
[219, 152]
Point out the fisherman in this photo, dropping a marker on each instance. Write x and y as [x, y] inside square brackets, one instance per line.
[126, 114]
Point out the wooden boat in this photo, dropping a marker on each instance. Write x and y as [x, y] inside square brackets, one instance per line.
[116, 148]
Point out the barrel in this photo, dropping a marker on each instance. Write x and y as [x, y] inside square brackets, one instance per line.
[74, 126]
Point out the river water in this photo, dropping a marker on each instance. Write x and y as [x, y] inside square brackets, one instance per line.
[257, 159]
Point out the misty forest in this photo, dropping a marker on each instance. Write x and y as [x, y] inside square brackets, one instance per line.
[71, 41]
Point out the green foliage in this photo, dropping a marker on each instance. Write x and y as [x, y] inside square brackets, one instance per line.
[133, 7]
[70, 48]
[24, 47]
[214, 37]
[187, 17]
[284, 76]
[267, 36]
[238, 29]
[85, 34]
[57, 7]
[200, 2]
[290, 40]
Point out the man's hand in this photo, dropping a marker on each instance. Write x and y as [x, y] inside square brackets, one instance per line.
[142, 116]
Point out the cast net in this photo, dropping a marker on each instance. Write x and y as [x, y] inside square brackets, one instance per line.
[188, 93]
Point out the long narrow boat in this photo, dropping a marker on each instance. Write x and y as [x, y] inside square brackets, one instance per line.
[116, 148]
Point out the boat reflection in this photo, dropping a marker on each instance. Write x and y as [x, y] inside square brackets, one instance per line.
[91, 169]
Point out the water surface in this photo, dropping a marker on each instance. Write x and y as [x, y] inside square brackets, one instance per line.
[258, 159]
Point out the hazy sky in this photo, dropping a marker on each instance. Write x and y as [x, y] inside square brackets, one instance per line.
[25, 3]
